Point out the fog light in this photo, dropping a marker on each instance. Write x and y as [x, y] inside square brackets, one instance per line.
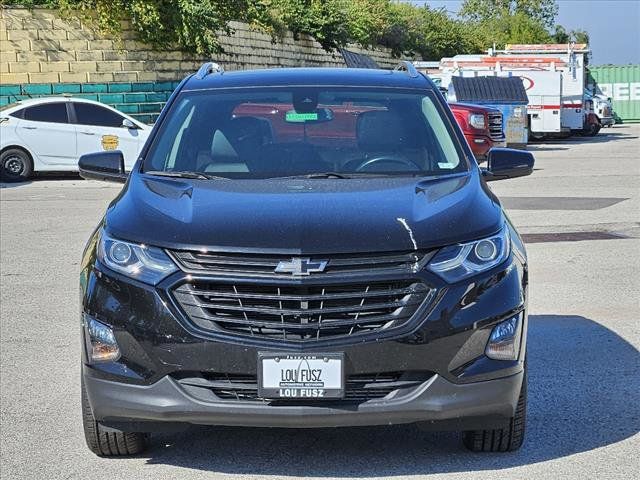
[101, 342]
[504, 342]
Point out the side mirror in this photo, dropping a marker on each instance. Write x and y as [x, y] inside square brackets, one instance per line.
[105, 166]
[126, 123]
[503, 163]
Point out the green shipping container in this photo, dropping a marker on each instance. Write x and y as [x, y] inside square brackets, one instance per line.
[621, 83]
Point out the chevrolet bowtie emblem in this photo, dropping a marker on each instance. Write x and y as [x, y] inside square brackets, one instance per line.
[301, 266]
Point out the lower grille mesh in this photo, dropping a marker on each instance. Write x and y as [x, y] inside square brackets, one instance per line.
[300, 312]
[358, 388]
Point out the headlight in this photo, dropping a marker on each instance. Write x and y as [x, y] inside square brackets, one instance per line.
[138, 261]
[457, 262]
[476, 120]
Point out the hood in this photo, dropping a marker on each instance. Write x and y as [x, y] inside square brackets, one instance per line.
[472, 106]
[307, 216]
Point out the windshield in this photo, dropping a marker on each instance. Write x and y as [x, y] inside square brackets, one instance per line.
[299, 131]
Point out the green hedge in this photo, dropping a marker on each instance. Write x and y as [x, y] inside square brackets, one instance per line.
[408, 29]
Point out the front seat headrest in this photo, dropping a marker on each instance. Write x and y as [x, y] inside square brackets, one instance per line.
[380, 130]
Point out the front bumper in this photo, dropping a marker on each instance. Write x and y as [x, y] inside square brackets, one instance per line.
[437, 402]
[465, 389]
[607, 121]
[481, 144]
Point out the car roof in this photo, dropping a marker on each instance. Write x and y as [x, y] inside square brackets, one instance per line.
[474, 106]
[54, 98]
[20, 104]
[285, 77]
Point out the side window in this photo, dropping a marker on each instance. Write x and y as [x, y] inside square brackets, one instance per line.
[173, 154]
[18, 113]
[89, 114]
[47, 112]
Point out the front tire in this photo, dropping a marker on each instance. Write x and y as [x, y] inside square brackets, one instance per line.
[507, 439]
[16, 165]
[537, 136]
[109, 443]
[593, 129]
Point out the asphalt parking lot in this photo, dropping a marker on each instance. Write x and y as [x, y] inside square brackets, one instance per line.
[580, 213]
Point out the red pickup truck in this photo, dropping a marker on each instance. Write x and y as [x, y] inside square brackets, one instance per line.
[482, 127]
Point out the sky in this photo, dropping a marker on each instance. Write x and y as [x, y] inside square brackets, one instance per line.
[613, 26]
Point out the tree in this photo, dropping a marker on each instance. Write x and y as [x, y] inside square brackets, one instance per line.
[541, 11]
[195, 26]
[580, 36]
[501, 22]
[427, 33]
[562, 36]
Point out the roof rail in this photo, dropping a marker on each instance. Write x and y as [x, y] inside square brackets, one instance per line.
[408, 67]
[208, 68]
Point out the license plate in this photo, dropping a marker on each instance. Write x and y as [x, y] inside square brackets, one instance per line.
[301, 377]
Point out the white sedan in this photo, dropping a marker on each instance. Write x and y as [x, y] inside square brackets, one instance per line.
[51, 133]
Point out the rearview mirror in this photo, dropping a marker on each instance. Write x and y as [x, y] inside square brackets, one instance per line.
[105, 166]
[503, 163]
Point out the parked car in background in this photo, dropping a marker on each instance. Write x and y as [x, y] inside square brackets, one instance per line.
[506, 94]
[51, 133]
[481, 126]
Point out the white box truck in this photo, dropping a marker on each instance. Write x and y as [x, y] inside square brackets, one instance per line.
[554, 76]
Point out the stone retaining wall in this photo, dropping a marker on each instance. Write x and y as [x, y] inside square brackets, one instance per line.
[40, 47]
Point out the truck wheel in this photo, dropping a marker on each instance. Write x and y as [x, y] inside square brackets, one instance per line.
[593, 129]
[109, 443]
[537, 136]
[506, 439]
[15, 165]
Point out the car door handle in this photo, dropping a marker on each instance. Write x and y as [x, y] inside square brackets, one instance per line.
[29, 128]
[88, 133]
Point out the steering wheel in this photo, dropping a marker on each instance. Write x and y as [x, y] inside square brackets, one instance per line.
[405, 162]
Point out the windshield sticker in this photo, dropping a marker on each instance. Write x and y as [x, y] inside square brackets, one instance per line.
[447, 166]
[301, 117]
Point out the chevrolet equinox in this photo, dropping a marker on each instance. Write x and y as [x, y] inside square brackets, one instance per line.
[304, 248]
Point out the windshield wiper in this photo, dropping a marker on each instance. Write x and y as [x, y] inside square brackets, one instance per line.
[327, 175]
[318, 175]
[194, 175]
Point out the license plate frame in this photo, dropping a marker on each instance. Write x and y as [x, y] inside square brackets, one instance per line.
[305, 386]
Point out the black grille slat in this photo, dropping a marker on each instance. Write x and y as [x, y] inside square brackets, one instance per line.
[495, 126]
[222, 263]
[300, 312]
[358, 388]
[289, 311]
[325, 324]
[331, 296]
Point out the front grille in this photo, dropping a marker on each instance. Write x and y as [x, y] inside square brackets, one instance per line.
[495, 126]
[358, 388]
[223, 263]
[300, 312]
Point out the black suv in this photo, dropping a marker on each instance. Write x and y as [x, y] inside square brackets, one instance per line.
[304, 248]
